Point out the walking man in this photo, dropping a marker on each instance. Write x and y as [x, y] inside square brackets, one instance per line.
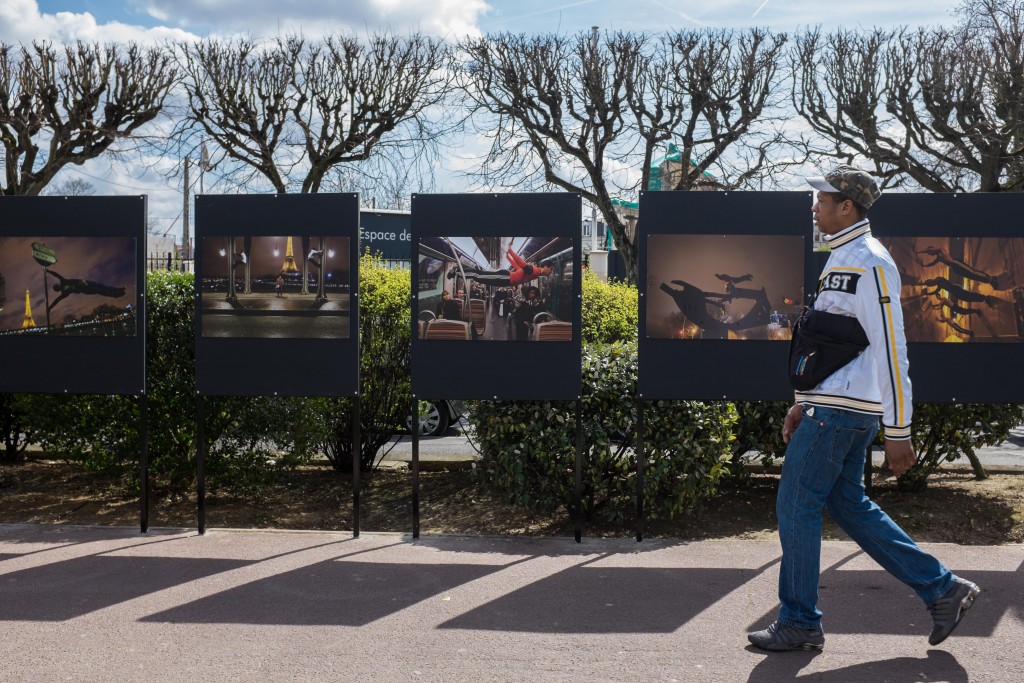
[830, 426]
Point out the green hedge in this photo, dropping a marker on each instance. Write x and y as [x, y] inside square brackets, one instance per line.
[610, 311]
[944, 432]
[528, 448]
[384, 386]
[759, 429]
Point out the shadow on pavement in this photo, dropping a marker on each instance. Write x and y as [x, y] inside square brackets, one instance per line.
[72, 588]
[938, 665]
[587, 599]
[873, 602]
[334, 593]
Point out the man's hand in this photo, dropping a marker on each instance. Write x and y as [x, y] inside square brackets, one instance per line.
[792, 421]
[900, 456]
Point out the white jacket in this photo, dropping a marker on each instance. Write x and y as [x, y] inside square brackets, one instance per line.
[861, 280]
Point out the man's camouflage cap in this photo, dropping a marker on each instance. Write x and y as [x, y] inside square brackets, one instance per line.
[850, 182]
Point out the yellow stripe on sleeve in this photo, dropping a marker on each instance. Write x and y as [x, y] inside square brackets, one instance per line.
[898, 388]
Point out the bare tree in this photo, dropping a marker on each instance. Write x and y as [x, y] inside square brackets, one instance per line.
[68, 105]
[567, 109]
[72, 187]
[291, 110]
[382, 182]
[940, 108]
[729, 82]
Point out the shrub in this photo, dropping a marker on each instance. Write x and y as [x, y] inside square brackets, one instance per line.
[759, 428]
[170, 378]
[384, 387]
[943, 432]
[610, 311]
[253, 439]
[528, 447]
[15, 429]
[100, 432]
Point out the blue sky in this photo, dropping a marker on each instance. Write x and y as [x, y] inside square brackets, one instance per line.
[155, 20]
[64, 19]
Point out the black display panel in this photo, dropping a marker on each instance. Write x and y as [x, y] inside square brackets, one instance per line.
[276, 279]
[72, 294]
[961, 263]
[723, 275]
[498, 258]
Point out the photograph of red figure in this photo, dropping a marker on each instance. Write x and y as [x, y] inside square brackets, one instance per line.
[495, 288]
[961, 289]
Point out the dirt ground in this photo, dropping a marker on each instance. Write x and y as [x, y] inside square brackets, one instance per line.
[954, 508]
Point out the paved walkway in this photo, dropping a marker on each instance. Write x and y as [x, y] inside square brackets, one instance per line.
[110, 604]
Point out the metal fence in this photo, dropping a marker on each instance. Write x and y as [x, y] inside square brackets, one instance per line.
[174, 262]
[169, 261]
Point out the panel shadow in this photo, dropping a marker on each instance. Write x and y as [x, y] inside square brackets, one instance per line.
[606, 600]
[69, 589]
[7, 556]
[332, 593]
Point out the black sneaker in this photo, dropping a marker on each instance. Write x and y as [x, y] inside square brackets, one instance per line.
[948, 609]
[781, 637]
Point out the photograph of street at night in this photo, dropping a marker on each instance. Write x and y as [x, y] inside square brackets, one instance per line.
[68, 286]
[289, 287]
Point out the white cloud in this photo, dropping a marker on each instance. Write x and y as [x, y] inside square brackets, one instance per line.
[448, 18]
[22, 22]
[158, 14]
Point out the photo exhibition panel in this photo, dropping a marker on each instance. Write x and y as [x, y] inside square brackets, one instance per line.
[723, 278]
[72, 294]
[276, 283]
[496, 296]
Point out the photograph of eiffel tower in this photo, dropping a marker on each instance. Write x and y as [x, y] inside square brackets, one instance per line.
[28, 322]
[74, 285]
[289, 259]
[250, 288]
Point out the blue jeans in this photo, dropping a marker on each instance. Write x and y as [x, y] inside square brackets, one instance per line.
[824, 467]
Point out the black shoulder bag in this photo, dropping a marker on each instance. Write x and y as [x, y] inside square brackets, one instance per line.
[822, 343]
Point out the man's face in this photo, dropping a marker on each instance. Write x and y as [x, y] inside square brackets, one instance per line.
[832, 214]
